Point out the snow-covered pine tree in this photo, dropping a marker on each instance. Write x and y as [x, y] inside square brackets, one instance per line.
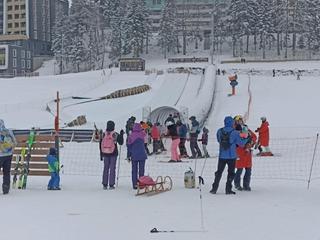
[264, 24]
[78, 27]
[59, 38]
[135, 27]
[168, 33]
[241, 14]
[312, 25]
[279, 21]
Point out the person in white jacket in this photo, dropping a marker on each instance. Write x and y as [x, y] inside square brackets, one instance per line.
[7, 144]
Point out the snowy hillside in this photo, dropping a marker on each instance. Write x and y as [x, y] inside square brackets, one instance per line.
[279, 206]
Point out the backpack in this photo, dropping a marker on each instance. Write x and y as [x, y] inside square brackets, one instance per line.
[225, 140]
[108, 143]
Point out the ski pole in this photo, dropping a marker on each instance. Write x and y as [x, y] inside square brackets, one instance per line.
[201, 182]
[118, 170]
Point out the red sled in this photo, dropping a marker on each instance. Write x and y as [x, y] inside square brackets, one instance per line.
[147, 186]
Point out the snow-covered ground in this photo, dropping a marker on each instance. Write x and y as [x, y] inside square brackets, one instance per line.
[275, 209]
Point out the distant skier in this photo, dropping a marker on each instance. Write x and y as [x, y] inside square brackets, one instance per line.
[194, 132]
[182, 131]
[155, 135]
[53, 165]
[204, 141]
[7, 144]
[298, 75]
[263, 140]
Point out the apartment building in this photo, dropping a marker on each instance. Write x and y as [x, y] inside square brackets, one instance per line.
[27, 26]
[195, 16]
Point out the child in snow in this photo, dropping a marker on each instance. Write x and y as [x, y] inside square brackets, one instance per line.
[263, 141]
[244, 160]
[53, 165]
[204, 141]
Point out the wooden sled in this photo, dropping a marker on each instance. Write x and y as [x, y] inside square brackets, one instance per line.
[151, 187]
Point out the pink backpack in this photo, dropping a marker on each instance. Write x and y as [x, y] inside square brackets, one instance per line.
[108, 143]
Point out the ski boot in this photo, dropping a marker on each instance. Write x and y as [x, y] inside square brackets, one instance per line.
[5, 188]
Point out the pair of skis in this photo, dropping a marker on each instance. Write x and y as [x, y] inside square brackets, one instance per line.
[23, 162]
[17, 172]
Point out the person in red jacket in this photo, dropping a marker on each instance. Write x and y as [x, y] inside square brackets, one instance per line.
[155, 134]
[244, 160]
[263, 141]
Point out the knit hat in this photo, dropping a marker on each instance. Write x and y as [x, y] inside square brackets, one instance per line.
[52, 152]
[110, 126]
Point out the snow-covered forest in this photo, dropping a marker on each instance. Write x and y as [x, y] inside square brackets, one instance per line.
[96, 32]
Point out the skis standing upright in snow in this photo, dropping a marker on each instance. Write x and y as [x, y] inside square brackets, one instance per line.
[25, 170]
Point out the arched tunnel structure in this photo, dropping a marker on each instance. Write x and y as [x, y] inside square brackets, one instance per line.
[160, 114]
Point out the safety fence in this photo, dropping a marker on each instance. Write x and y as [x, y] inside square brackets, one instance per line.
[294, 159]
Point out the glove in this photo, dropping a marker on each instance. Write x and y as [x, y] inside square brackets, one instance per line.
[121, 132]
[257, 130]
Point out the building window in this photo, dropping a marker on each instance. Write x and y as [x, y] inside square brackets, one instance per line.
[158, 1]
[16, 16]
[14, 63]
[16, 25]
[23, 64]
[9, 16]
[9, 8]
[16, 7]
[23, 54]
[28, 64]
[14, 71]
[23, 24]
[9, 25]
[14, 52]
[28, 54]
[23, 7]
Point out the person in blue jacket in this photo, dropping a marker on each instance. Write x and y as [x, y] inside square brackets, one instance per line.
[182, 131]
[228, 139]
[137, 153]
[53, 165]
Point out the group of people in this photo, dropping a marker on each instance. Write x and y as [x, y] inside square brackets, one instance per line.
[236, 141]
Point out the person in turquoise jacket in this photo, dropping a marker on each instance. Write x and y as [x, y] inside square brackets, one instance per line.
[228, 139]
[53, 165]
